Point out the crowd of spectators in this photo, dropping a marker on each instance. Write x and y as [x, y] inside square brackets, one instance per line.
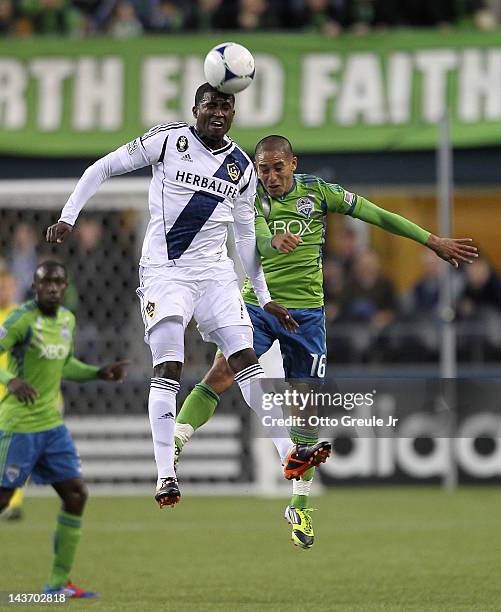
[102, 277]
[129, 18]
[368, 318]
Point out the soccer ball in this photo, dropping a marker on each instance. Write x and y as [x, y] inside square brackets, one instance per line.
[229, 67]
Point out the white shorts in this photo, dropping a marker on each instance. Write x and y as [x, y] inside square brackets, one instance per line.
[211, 295]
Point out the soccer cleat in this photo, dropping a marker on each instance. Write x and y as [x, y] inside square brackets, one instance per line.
[71, 591]
[302, 527]
[11, 513]
[168, 493]
[303, 456]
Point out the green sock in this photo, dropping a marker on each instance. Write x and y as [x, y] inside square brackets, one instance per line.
[66, 539]
[199, 406]
[303, 436]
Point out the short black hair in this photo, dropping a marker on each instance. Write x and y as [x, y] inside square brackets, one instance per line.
[49, 266]
[206, 87]
[274, 141]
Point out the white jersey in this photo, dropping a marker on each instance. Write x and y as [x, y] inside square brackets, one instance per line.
[194, 194]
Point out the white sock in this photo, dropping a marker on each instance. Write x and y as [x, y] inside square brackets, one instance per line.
[249, 378]
[162, 412]
[183, 431]
[301, 487]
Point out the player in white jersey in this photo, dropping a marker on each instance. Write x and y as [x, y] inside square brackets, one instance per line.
[202, 181]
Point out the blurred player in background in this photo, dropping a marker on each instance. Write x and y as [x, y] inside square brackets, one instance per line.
[202, 181]
[38, 336]
[8, 291]
[291, 212]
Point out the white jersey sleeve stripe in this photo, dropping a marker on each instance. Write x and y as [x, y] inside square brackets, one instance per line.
[162, 127]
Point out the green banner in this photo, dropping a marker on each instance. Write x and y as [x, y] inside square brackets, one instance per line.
[379, 92]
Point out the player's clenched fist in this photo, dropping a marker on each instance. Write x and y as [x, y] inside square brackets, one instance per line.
[286, 243]
[58, 232]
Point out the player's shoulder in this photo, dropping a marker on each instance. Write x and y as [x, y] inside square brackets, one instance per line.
[312, 181]
[239, 155]
[163, 128]
[66, 312]
[65, 317]
[25, 311]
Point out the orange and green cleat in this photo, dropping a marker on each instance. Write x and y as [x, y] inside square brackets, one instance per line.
[303, 456]
[168, 493]
[71, 591]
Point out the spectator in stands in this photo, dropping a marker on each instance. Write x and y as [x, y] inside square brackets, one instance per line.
[207, 16]
[482, 291]
[6, 18]
[365, 15]
[369, 296]
[362, 16]
[124, 22]
[23, 259]
[52, 17]
[8, 292]
[425, 293]
[430, 13]
[167, 17]
[333, 287]
[346, 246]
[251, 15]
[486, 14]
[324, 16]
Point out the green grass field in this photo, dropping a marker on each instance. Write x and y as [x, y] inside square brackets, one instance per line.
[377, 549]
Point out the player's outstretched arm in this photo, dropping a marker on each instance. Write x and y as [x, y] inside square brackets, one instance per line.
[78, 371]
[137, 154]
[453, 250]
[12, 331]
[116, 371]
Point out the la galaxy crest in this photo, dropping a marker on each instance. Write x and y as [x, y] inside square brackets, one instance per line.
[182, 144]
[233, 171]
[305, 207]
[150, 309]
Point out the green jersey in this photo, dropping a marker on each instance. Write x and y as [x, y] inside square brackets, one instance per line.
[40, 351]
[295, 279]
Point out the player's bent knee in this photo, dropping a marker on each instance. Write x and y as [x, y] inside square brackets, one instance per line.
[168, 369]
[77, 499]
[74, 495]
[242, 359]
[220, 377]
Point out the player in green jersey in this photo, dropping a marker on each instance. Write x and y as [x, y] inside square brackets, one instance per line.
[38, 337]
[291, 212]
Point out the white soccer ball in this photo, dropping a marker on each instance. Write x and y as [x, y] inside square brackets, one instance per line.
[229, 67]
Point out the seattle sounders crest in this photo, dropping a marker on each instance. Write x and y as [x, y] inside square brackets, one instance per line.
[305, 207]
